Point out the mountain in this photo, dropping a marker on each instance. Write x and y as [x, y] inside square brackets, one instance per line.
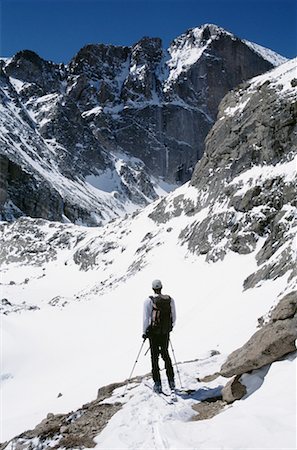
[223, 245]
[116, 127]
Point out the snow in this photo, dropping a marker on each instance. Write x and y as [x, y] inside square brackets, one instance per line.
[270, 56]
[94, 339]
[18, 84]
[94, 111]
[162, 187]
[146, 422]
[184, 54]
[232, 111]
[188, 48]
[280, 78]
[107, 181]
[146, 415]
[257, 175]
[138, 71]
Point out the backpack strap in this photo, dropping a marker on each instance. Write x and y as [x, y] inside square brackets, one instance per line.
[154, 311]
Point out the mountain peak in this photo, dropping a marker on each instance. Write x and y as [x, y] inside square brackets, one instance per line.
[29, 55]
[202, 36]
[147, 41]
[211, 30]
[147, 49]
[199, 36]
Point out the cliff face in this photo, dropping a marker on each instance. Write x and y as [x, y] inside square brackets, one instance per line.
[247, 178]
[98, 136]
[251, 165]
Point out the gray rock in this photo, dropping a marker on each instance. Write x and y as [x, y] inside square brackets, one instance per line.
[285, 263]
[233, 390]
[208, 378]
[42, 77]
[266, 346]
[273, 341]
[243, 244]
[27, 241]
[286, 308]
[208, 409]
[262, 134]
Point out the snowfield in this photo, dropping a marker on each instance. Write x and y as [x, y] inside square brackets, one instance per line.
[93, 340]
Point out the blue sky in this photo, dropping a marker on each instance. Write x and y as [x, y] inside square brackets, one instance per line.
[57, 29]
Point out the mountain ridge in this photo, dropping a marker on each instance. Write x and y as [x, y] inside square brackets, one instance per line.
[111, 114]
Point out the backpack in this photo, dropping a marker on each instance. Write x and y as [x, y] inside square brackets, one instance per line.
[161, 315]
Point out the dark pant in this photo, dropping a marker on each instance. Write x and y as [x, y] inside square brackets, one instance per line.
[159, 345]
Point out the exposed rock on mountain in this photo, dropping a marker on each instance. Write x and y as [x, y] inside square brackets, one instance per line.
[242, 196]
[39, 76]
[98, 136]
[246, 179]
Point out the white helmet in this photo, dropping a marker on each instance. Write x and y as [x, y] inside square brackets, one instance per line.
[157, 284]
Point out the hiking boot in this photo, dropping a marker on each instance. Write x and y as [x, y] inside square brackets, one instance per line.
[157, 387]
[171, 385]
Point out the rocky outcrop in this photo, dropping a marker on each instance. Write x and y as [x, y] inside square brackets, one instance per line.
[286, 308]
[42, 178]
[258, 130]
[208, 409]
[274, 340]
[37, 197]
[40, 77]
[32, 242]
[244, 187]
[171, 104]
[234, 390]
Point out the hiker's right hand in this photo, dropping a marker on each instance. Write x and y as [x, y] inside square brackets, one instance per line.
[144, 336]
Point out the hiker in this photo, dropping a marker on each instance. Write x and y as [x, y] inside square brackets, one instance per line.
[159, 317]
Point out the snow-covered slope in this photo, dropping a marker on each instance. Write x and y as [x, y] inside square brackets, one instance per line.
[76, 330]
[266, 53]
[74, 295]
[111, 187]
[149, 423]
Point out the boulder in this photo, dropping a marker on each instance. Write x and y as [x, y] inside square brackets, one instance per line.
[233, 390]
[208, 409]
[286, 308]
[275, 340]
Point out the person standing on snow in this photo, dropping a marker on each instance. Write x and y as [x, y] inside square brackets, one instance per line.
[159, 316]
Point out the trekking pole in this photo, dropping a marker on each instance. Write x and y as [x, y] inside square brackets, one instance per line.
[177, 369]
[133, 368]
